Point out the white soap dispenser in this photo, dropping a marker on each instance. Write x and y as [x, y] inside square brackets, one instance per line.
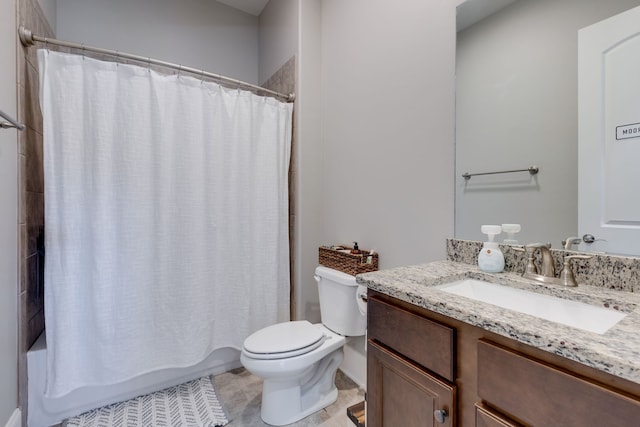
[511, 229]
[490, 258]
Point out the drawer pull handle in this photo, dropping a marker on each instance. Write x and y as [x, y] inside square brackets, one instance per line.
[440, 415]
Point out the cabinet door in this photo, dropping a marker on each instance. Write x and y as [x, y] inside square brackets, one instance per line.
[401, 393]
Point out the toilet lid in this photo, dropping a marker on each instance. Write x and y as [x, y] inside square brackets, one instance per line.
[284, 339]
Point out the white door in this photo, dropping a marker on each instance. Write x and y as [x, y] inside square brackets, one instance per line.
[609, 133]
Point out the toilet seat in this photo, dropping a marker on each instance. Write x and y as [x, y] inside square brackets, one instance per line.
[283, 340]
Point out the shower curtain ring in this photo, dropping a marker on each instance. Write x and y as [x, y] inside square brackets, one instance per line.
[83, 51]
[201, 76]
[149, 63]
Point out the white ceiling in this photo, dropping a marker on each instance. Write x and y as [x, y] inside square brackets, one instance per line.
[253, 7]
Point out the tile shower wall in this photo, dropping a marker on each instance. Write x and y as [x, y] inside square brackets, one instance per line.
[615, 272]
[31, 193]
[31, 178]
[284, 81]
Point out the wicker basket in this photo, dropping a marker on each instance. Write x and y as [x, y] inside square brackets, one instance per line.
[346, 262]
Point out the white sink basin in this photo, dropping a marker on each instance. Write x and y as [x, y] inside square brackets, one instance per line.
[571, 313]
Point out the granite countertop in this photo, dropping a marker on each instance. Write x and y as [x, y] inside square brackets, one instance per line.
[617, 351]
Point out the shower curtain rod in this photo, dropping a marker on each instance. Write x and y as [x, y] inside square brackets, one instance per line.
[28, 39]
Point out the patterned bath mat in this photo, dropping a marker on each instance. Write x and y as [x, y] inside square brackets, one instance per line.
[192, 404]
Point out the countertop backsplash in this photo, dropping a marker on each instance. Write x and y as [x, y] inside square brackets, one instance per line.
[609, 271]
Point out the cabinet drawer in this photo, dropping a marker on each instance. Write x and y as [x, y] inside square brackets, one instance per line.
[539, 394]
[424, 341]
[485, 417]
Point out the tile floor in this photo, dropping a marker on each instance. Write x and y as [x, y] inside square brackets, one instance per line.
[240, 393]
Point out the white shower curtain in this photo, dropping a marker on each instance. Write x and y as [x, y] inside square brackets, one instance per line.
[166, 210]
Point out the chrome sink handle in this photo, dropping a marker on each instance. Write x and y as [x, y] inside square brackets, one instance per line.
[530, 268]
[570, 242]
[566, 276]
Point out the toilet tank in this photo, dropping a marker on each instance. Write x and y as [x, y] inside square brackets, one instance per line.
[338, 308]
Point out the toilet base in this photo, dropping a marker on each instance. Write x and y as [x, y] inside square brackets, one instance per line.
[287, 401]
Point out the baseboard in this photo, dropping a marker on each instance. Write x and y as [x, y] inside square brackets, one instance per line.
[15, 420]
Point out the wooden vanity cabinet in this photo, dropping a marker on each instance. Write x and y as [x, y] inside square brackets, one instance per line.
[410, 363]
[419, 362]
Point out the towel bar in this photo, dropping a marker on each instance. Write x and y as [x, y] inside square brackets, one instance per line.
[531, 169]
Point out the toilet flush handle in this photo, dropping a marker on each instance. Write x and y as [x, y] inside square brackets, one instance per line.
[315, 276]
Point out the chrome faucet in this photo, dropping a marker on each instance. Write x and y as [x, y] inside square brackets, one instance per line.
[547, 267]
[547, 272]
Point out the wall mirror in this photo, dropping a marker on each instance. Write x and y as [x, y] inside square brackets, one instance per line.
[516, 107]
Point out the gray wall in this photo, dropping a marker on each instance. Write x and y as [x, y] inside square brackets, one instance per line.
[278, 36]
[202, 34]
[279, 29]
[49, 10]
[516, 106]
[374, 121]
[8, 218]
[288, 26]
[309, 221]
[388, 126]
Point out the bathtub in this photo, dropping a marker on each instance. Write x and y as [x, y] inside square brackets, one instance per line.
[44, 412]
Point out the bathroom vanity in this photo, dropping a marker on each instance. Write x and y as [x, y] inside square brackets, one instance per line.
[439, 359]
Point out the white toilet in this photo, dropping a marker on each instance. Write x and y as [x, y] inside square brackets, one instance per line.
[298, 360]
